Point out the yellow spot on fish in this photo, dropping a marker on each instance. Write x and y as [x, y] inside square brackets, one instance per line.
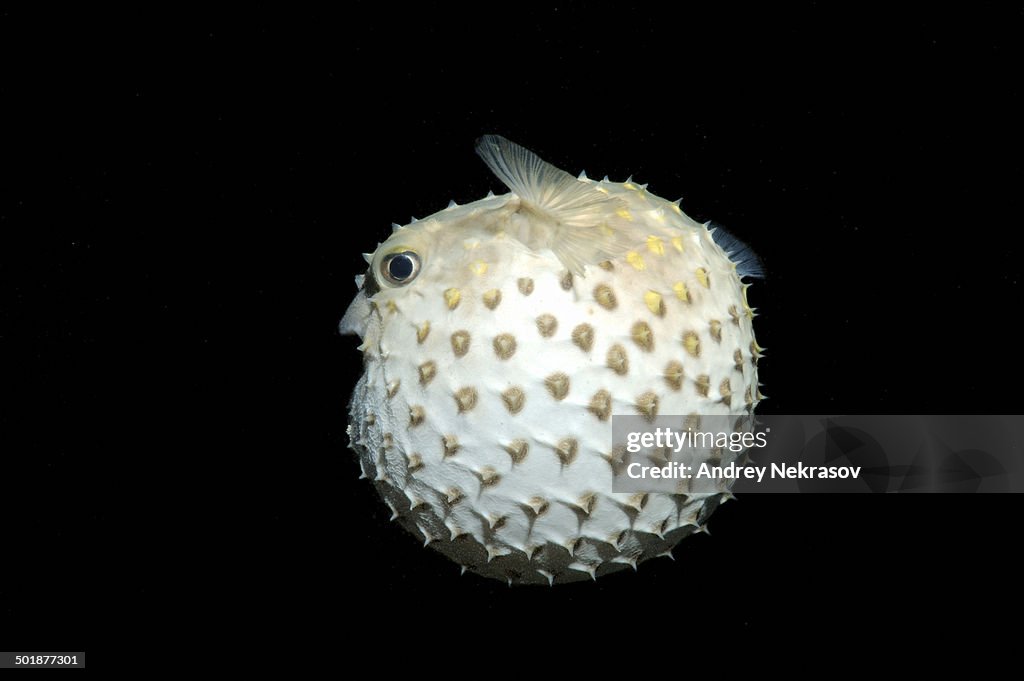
[677, 241]
[692, 343]
[391, 307]
[680, 290]
[479, 268]
[655, 245]
[654, 303]
[636, 260]
[676, 208]
[629, 185]
[422, 331]
[624, 214]
[702, 277]
[452, 296]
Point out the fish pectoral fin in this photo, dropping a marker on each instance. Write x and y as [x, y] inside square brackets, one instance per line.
[582, 225]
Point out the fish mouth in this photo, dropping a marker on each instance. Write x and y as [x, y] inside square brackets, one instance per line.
[357, 318]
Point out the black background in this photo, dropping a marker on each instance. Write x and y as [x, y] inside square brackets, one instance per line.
[186, 202]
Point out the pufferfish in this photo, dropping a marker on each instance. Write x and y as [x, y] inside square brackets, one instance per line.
[499, 338]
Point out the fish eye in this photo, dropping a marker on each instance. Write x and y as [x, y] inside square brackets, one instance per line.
[400, 268]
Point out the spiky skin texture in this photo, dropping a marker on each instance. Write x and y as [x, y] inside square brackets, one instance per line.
[483, 415]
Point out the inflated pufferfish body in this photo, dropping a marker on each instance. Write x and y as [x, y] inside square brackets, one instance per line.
[498, 339]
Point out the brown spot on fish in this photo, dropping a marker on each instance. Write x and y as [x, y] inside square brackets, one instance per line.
[504, 345]
[514, 398]
[716, 330]
[617, 360]
[605, 297]
[643, 336]
[547, 325]
[647, 405]
[583, 337]
[601, 405]
[517, 449]
[460, 343]
[674, 374]
[465, 399]
[734, 314]
[427, 372]
[566, 450]
[492, 298]
[703, 385]
[558, 385]
[416, 415]
[725, 390]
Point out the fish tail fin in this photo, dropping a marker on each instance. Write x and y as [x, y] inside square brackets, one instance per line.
[743, 256]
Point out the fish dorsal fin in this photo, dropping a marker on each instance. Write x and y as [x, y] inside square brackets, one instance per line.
[584, 226]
